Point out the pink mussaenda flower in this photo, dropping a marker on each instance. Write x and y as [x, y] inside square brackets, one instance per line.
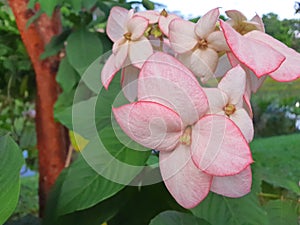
[198, 152]
[289, 70]
[198, 44]
[252, 53]
[163, 19]
[241, 24]
[127, 32]
[227, 99]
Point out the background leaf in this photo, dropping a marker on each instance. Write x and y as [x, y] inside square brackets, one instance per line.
[282, 212]
[176, 218]
[114, 165]
[94, 215]
[220, 210]
[66, 76]
[83, 188]
[48, 6]
[56, 44]
[278, 164]
[145, 204]
[83, 47]
[10, 165]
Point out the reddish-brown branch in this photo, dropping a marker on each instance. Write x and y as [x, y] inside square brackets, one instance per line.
[50, 135]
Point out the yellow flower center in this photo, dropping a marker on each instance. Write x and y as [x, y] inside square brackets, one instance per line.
[164, 13]
[202, 44]
[229, 109]
[127, 36]
[244, 27]
[186, 137]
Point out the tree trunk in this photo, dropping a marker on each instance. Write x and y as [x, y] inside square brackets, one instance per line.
[51, 136]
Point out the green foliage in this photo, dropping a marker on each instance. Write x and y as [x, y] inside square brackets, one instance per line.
[82, 49]
[93, 216]
[278, 164]
[282, 212]
[148, 4]
[83, 187]
[219, 210]
[283, 30]
[144, 205]
[176, 218]
[16, 73]
[10, 165]
[270, 109]
[27, 208]
[276, 29]
[48, 6]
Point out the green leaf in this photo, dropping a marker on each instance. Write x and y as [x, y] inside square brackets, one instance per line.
[220, 210]
[83, 47]
[48, 6]
[83, 187]
[75, 4]
[95, 215]
[31, 4]
[277, 161]
[176, 218]
[149, 5]
[10, 165]
[28, 137]
[88, 4]
[113, 166]
[56, 44]
[83, 116]
[282, 212]
[145, 204]
[80, 113]
[66, 76]
[33, 18]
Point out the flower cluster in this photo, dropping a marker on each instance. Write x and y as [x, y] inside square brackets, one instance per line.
[202, 132]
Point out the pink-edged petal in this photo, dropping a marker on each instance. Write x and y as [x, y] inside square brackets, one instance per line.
[207, 23]
[164, 23]
[233, 84]
[243, 121]
[139, 51]
[165, 80]
[150, 124]
[217, 100]
[216, 41]
[260, 24]
[255, 82]
[186, 183]
[218, 146]
[202, 63]
[290, 68]
[252, 80]
[150, 15]
[247, 96]
[236, 15]
[223, 66]
[137, 25]
[161, 45]
[182, 36]
[113, 65]
[129, 82]
[254, 54]
[233, 186]
[119, 44]
[232, 59]
[116, 22]
[109, 70]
